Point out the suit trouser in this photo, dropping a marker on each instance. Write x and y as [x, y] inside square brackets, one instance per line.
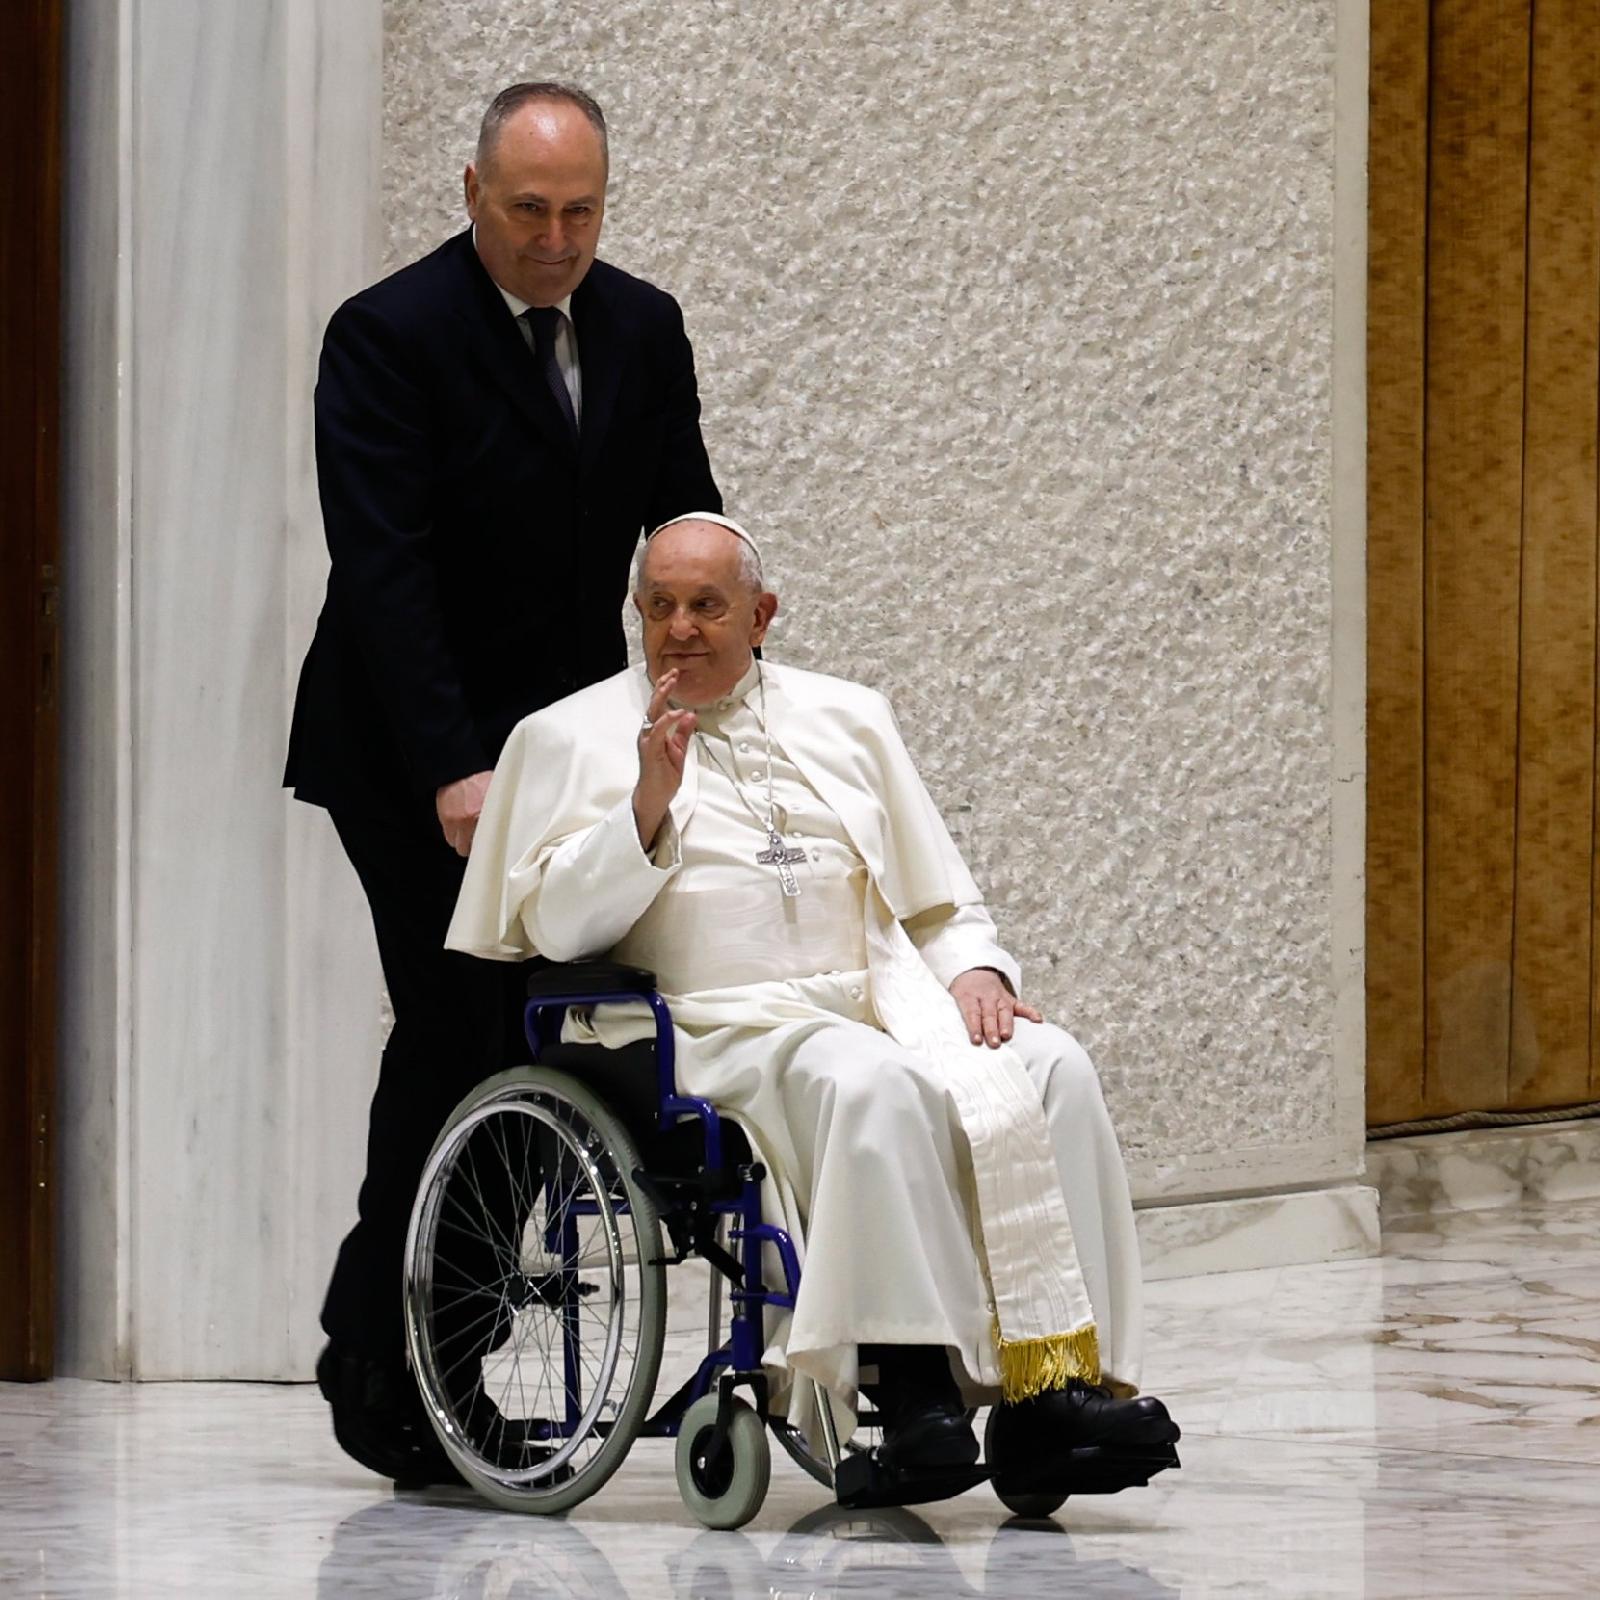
[456, 1021]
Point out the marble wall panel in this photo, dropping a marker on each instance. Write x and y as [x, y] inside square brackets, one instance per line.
[220, 991]
[332, 1001]
[92, 1128]
[1015, 333]
[1338, 1223]
[209, 402]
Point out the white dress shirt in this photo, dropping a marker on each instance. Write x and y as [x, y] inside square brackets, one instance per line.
[566, 340]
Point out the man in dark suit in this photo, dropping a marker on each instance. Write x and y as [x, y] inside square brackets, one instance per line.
[495, 425]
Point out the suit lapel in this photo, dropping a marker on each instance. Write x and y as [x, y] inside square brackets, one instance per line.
[602, 355]
[494, 339]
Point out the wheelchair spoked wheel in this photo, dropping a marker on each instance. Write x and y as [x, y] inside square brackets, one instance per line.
[535, 1291]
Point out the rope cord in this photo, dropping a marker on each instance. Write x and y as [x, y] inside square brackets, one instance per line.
[1485, 1119]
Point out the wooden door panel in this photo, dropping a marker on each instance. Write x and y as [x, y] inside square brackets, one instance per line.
[1551, 981]
[1483, 827]
[30, 188]
[1396, 364]
[1472, 534]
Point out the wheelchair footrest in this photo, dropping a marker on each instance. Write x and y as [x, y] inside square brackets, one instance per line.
[1095, 1469]
[863, 1482]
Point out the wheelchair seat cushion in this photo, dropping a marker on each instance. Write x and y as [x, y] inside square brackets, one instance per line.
[597, 978]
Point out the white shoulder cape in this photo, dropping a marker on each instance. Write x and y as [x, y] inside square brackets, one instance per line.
[566, 767]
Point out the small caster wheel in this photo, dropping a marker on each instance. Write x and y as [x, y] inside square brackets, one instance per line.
[728, 1492]
[1036, 1507]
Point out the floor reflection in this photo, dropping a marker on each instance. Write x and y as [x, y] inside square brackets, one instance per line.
[827, 1554]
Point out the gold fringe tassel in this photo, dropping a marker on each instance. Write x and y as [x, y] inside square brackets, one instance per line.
[1033, 1366]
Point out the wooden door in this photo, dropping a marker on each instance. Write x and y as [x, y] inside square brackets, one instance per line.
[1483, 399]
[30, 82]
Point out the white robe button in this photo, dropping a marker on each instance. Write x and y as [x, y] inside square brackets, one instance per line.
[855, 994]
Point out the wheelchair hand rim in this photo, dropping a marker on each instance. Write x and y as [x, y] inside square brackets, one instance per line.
[424, 1221]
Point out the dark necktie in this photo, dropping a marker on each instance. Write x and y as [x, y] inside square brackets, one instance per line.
[544, 320]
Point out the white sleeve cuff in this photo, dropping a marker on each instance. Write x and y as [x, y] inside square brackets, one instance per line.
[667, 855]
[960, 940]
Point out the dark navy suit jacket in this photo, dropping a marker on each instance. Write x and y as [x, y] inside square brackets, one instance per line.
[480, 556]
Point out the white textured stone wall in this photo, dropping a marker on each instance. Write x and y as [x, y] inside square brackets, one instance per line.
[1014, 332]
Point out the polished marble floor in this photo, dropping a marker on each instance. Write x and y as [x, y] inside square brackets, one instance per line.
[1422, 1424]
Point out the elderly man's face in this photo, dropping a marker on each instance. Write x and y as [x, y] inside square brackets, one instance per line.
[701, 619]
[539, 200]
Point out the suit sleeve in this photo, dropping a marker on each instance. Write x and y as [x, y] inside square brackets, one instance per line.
[375, 459]
[684, 482]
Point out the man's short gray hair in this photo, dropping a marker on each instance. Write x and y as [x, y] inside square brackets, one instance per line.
[508, 102]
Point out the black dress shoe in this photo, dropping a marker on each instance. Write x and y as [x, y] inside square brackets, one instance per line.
[1087, 1414]
[378, 1419]
[1069, 1438]
[937, 1435]
[925, 1424]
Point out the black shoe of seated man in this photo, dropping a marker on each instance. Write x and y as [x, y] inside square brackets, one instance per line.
[925, 1424]
[378, 1419]
[1039, 1435]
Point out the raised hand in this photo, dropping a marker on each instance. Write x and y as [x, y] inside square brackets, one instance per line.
[663, 749]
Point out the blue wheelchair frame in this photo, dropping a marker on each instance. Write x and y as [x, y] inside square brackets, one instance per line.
[738, 1361]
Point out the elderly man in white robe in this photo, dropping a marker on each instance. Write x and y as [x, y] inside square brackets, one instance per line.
[757, 837]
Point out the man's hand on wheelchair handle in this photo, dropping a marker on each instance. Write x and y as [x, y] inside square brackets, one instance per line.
[988, 1007]
[458, 806]
[663, 749]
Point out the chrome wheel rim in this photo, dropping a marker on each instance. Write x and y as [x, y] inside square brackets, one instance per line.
[528, 1155]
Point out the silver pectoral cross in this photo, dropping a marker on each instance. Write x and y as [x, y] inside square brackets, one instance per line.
[782, 856]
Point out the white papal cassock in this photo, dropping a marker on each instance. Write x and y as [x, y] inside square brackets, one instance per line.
[780, 1003]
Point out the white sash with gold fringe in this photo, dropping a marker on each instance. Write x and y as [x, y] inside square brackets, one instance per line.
[1043, 1323]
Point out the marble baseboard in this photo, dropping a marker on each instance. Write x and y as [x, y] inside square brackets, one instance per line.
[1274, 1230]
[1479, 1169]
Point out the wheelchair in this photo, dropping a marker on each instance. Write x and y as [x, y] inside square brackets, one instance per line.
[535, 1285]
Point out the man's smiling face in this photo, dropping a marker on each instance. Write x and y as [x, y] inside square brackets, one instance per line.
[537, 201]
